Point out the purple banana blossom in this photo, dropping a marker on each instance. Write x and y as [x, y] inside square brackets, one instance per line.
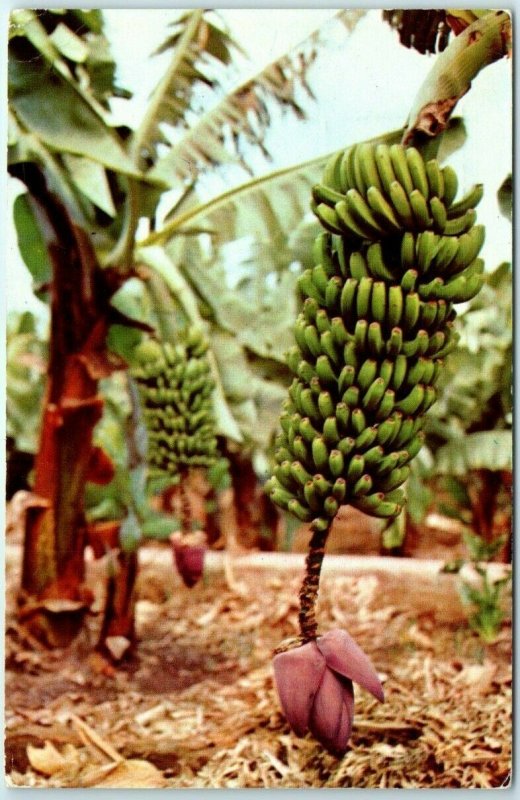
[188, 555]
[314, 683]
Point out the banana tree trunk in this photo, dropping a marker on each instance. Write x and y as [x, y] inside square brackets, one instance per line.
[53, 599]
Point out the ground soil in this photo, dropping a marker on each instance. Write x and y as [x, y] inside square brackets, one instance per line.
[195, 705]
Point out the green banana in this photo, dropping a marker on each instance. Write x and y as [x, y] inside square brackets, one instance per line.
[395, 305]
[362, 213]
[382, 210]
[307, 430]
[451, 184]
[417, 169]
[375, 341]
[355, 468]
[328, 217]
[349, 225]
[401, 168]
[435, 178]
[412, 401]
[330, 431]
[320, 453]
[343, 415]
[358, 421]
[336, 463]
[322, 193]
[333, 294]
[384, 167]
[374, 394]
[320, 278]
[328, 347]
[420, 210]
[378, 301]
[409, 280]
[363, 296]
[386, 405]
[368, 166]
[310, 310]
[324, 370]
[367, 373]
[439, 214]
[366, 438]
[312, 497]
[322, 321]
[360, 334]
[462, 224]
[402, 206]
[348, 298]
[411, 311]
[362, 486]
[373, 455]
[469, 246]
[469, 201]
[332, 172]
[339, 489]
[376, 262]
[426, 249]
[376, 322]
[346, 378]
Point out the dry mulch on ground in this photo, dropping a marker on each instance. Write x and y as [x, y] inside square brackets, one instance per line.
[196, 706]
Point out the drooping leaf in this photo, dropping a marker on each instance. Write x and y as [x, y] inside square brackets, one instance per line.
[484, 41]
[194, 42]
[49, 106]
[240, 119]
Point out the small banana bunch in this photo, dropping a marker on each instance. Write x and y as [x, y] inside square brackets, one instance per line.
[175, 388]
[377, 321]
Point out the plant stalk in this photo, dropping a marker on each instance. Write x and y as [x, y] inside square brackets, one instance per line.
[310, 585]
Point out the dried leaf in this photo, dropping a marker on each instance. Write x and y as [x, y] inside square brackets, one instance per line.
[117, 646]
[131, 774]
[48, 760]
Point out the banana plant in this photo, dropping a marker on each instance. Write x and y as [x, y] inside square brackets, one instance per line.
[88, 182]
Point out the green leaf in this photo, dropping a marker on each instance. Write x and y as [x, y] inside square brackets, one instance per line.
[90, 178]
[30, 240]
[131, 300]
[50, 107]
[268, 207]
[122, 340]
[482, 450]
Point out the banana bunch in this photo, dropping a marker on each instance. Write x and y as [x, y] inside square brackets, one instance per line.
[377, 321]
[175, 387]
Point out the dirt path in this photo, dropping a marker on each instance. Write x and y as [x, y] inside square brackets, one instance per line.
[196, 706]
